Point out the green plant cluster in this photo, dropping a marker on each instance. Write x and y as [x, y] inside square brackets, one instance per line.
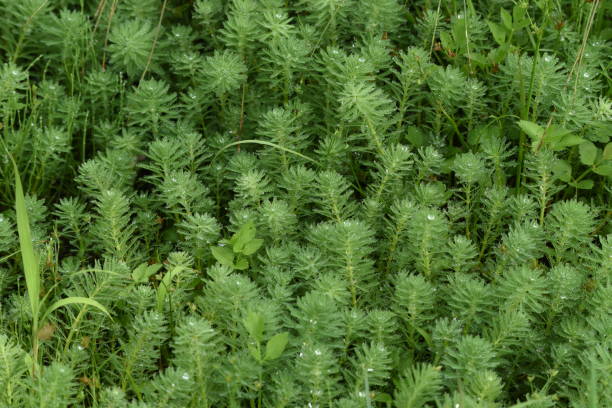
[306, 203]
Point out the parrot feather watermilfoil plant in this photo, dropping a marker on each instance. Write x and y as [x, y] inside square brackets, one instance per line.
[317, 203]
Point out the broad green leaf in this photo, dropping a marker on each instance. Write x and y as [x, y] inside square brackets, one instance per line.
[447, 40]
[415, 136]
[567, 141]
[243, 236]
[383, 397]
[276, 345]
[506, 18]
[562, 170]
[252, 246]
[607, 152]
[584, 184]
[497, 55]
[254, 352]
[162, 289]
[241, 264]
[224, 255]
[144, 271]
[555, 133]
[458, 29]
[588, 153]
[28, 257]
[604, 169]
[557, 138]
[533, 130]
[499, 33]
[254, 324]
[75, 300]
[479, 59]
[518, 17]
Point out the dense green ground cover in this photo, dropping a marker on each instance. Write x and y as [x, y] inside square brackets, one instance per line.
[313, 203]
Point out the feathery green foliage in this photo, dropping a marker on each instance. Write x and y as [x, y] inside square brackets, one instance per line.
[319, 203]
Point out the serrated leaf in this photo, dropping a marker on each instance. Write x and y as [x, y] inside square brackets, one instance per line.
[558, 138]
[607, 152]
[415, 136]
[447, 40]
[243, 236]
[506, 18]
[276, 345]
[499, 33]
[254, 324]
[518, 17]
[254, 352]
[479, 59]
[252, 246]
[604, 169]
[588, 153]
[383, 397]
[458, 29]
[567, 141]
[562, 170]
[497, 55]
[556, 133]
[224, 255]
[162, 289]
[585, 184]
[533, 130]
[144, 271]
[241, 264]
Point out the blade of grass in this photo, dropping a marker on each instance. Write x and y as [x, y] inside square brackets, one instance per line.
[263, 142]
[30, 261]
[74, 300]
[164, 285]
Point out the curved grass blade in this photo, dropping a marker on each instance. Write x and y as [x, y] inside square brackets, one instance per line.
[162, 289]
[75, 300]
[264, 143]
[29, 258]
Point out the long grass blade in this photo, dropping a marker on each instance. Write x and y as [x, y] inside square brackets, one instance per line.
[164, 285]
[264, 143]
[75, 300]
[28, 256]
